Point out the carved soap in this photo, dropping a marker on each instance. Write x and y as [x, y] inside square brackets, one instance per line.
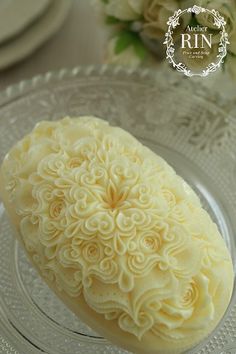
[117, 234]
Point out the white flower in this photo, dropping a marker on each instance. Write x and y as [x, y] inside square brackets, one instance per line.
[156, 15]
[125, 9]
[226, 8]
[127, 57]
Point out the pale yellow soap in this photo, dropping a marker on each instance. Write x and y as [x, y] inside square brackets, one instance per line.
[119, 237]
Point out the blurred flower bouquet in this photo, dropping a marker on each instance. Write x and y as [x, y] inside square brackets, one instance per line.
[139, 27]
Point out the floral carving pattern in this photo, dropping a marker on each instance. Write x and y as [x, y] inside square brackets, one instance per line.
[105, 218]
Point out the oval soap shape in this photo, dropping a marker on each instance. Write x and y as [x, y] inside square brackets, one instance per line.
[117, 234]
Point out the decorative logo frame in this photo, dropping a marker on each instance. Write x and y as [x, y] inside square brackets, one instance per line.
[173, 22]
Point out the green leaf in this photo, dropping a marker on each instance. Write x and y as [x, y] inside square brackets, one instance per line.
[140, 49]
[125, 39]
[111, 20]
[105, 1]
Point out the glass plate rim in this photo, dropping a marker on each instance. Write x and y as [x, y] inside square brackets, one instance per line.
[24, 87]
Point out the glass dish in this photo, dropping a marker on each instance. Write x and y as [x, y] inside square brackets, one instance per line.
[195, 136]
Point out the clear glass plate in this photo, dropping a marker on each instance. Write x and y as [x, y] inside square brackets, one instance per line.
[196, 137]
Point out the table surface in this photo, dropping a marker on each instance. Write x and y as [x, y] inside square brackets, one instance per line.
[80, 41]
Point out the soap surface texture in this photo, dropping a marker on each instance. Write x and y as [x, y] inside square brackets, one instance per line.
[117, 234]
